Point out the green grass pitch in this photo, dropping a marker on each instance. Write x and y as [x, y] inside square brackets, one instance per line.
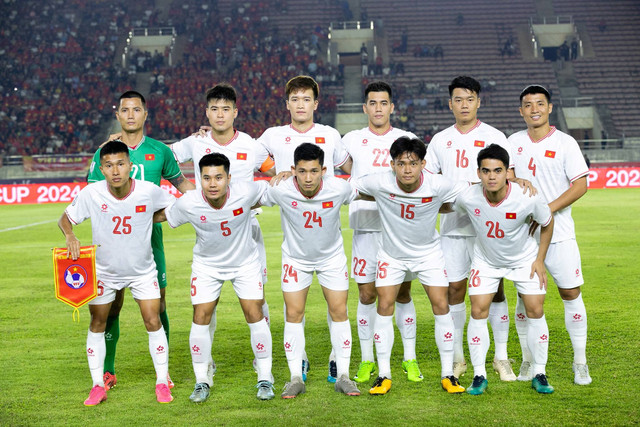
[44, 376]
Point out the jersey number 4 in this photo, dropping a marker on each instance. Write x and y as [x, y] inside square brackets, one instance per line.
[122, 225]
[532, 167]
[312, 217]
[288, 272]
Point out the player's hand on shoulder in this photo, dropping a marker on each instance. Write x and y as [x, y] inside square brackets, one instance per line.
[112, 137]
[526, 186]
[202, 131]
[282, 176]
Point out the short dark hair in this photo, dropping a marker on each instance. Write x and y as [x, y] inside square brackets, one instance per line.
[465, 82]
[214, 159]
[114, 147]
[299, 83]
[222, 91]
[378, 86]
[404, 144]
[494, 151]
[308, 152]
[532, 89]
[133, 94]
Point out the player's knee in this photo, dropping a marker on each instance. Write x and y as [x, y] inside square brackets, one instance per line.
[367, 293]
[457, 291]
[152, 323]
[479, 312]
[294, 316]
[569, 294]
[535, 312]
[404, 294]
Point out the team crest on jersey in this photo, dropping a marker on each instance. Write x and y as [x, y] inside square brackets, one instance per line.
[141, 208]
[510, 215]
[319, 139]
[326, 205]
[149, 156]
[477, 143]
[237, 212]
[294, 204]
[427, 199]
[203, 219]
[550, 154]
[75, 276]
[103, 208]
[365, 141]
[241, 156]
[476, 212]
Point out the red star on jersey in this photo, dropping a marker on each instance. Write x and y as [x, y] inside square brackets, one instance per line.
[326, 205]
[550, 154]
[141, 208]
[237, 212]
[477, 143]
[319, 140]
[241, 156]
[510, 215]
[149, 156]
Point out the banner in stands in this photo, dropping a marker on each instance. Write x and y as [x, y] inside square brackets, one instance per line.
[55, 163]
[606, 177]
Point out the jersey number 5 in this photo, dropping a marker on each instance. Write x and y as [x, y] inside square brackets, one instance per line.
[122, 225]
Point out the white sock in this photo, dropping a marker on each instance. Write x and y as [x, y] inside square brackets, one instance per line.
[332, 355]
[445, 334]
[366, 315]
[213, 323]
[383, 338]
[406, 322]
[341, 343]
[294, 343]
[459, 314]
[159, 349]
[96, 350]
[200, 346]
[499, 318]
[538, 337]
[521, 328]
[478, 340]
[575, 319]
[262, 349]
[265, 313]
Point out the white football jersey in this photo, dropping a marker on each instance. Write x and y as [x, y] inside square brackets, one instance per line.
[551, 164]
[311, 226]
[281, 142]
[223, 236]
[370, 154]
[455, 155]
[121, 228]
[244, 153]
[409, 219]
[502, 230]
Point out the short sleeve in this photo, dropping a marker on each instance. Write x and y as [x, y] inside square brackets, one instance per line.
[433, 164]
[574, 164]
[176, 213]
[170, 167]
[182, 150]
[78, 210]
[541, 211]
[95, 174]
[268, 197]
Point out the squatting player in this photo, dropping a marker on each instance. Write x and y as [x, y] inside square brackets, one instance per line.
[408, 200]
[369, 151]
[500, 216]
[553, 162]
[121, 211]
[310, 213]
[152, 161]
[220, 213]
[452, 152]
[301, 101]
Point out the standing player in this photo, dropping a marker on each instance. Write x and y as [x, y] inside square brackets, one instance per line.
[152, 161]
[221, 215]
[451, 153]
[121, 211]
[553, 162]
[281, 141]
[504, 249]
[310, 212]
[244, 153]
[408, 200]
[369, 151]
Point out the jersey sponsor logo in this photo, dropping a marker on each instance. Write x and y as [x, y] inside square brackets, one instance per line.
[510, 215]
[319, 139]
[326, 205]
[287, 140]
[449, 144]
[550, 154]
[477, 143]
[149, 156]
[476, 212]
[208, 151]
[203, 219]
[365, 141]
[294, 204]
[103, 208]
[427, 199]
[520, 150]
[241, 156]
[141, 208]
[237, 212]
